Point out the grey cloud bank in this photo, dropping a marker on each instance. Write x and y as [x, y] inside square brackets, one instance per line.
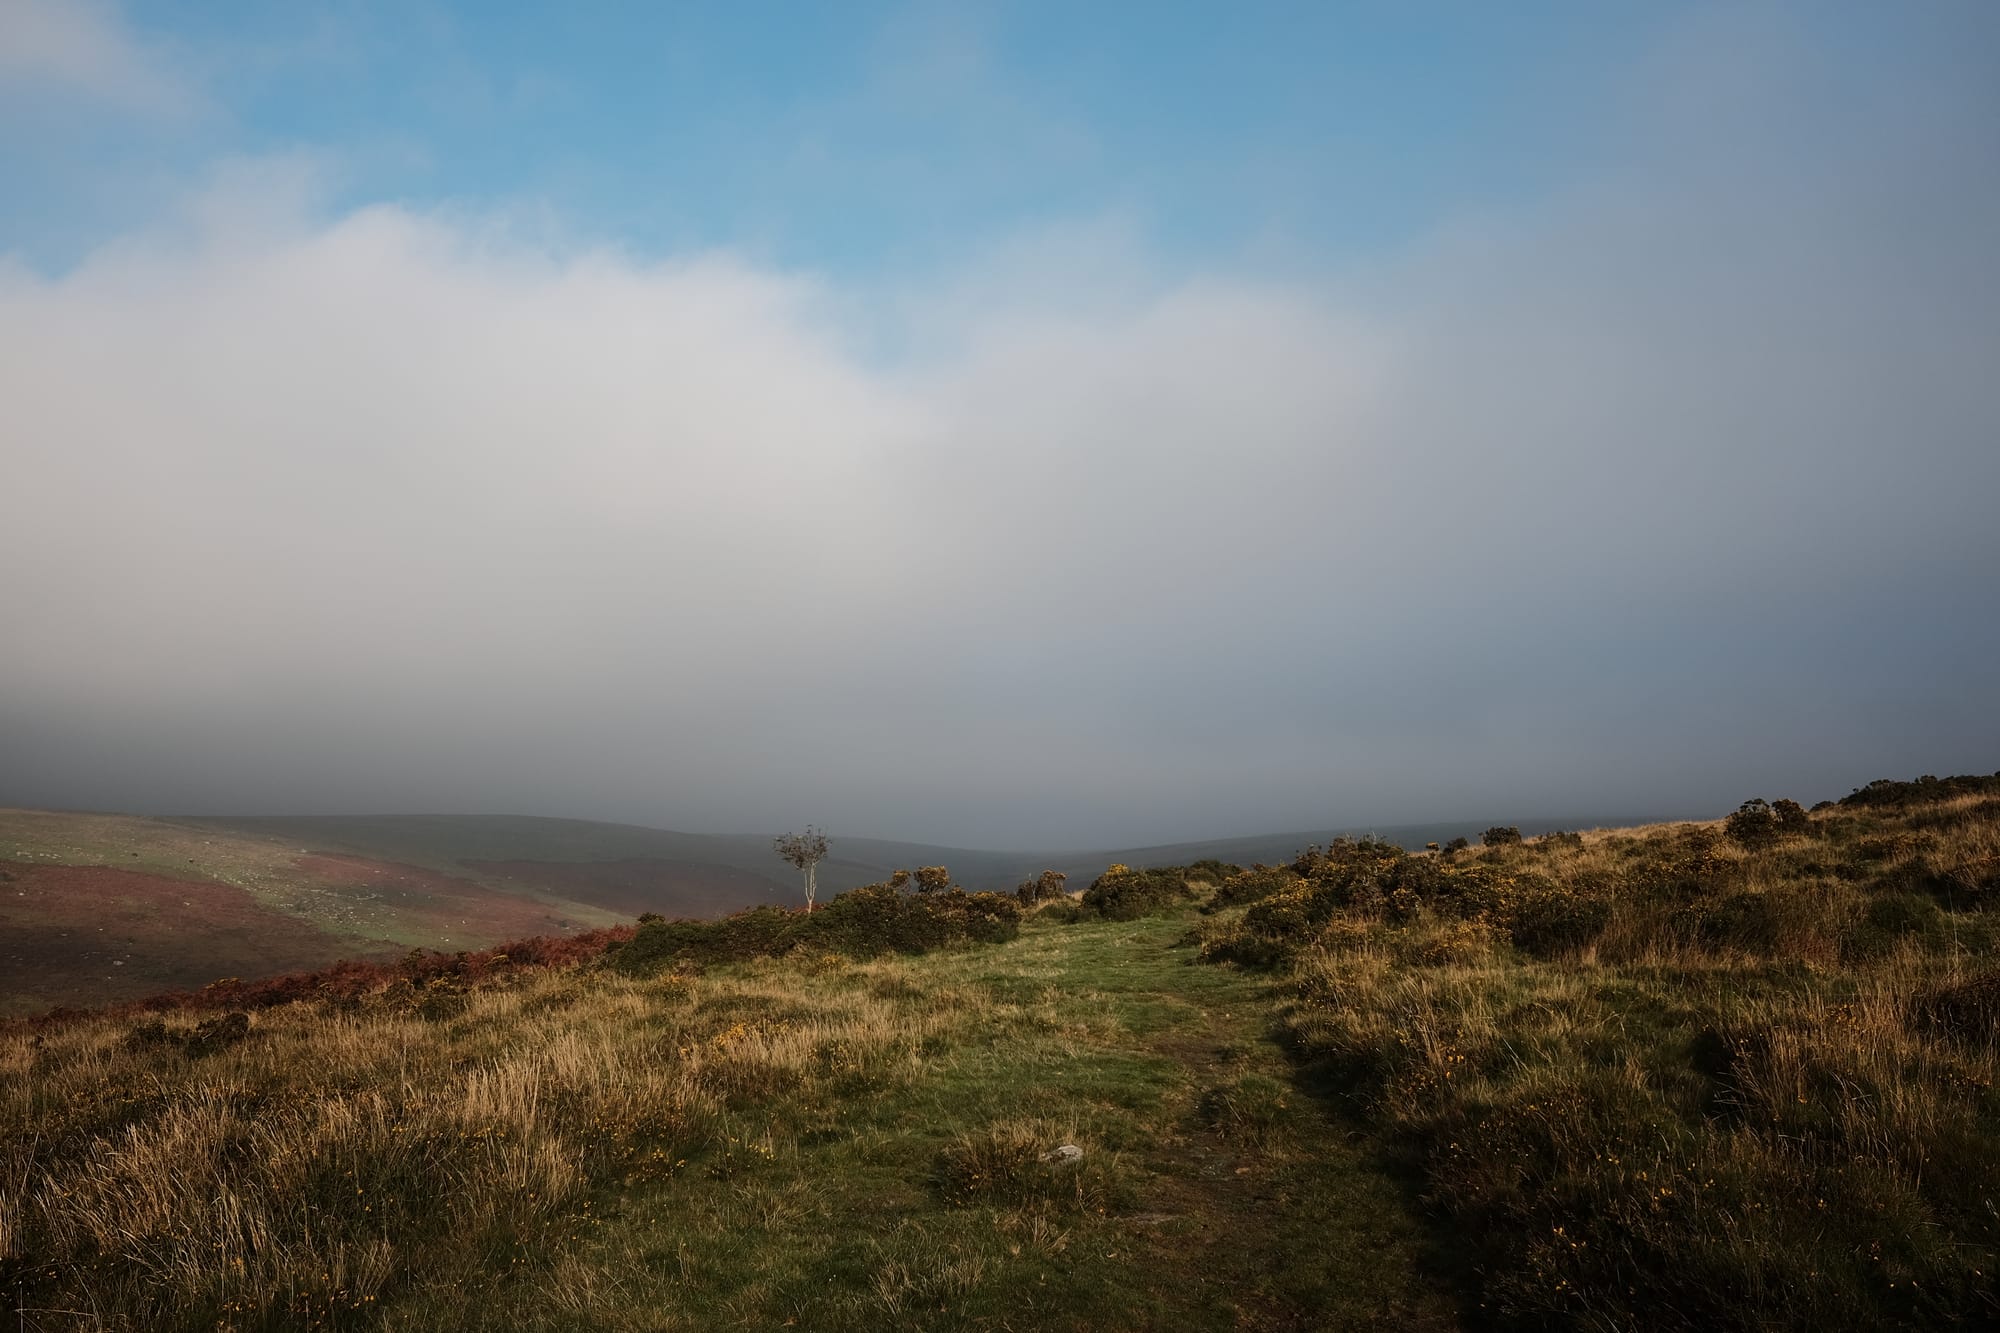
[1668, 490]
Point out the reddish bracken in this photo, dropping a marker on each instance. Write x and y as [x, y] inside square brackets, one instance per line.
[353, 978]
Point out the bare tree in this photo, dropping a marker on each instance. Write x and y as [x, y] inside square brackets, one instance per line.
[804, 850]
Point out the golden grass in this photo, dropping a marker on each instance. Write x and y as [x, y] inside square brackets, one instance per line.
[285, 1180]
[1727, 1107]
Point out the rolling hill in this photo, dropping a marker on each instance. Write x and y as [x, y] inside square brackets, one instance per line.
[1736, 1075]
[98, 908]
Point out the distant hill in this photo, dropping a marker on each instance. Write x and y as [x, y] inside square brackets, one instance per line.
[545, 853]
[97, 908]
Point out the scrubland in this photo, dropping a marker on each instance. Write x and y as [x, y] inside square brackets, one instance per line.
[1737, 1075]
[1733, 1075]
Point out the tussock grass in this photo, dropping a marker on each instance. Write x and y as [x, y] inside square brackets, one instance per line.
[816, 1138]
[291, 1178]
[1670, 1078]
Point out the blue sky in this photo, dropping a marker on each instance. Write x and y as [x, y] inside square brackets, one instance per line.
[859, 138]
[1021, 425]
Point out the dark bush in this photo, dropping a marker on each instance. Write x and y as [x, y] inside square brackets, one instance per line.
[862, 923]
[1753, 824]
[1458, 844]
[1791, 817]
[1500, 835]
[1124, 894]
[1558, 838]
[1248, 886]
[1044, 887]
[1925, 790]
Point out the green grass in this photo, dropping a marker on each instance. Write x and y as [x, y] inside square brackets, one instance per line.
[1103, 1035]
[1658, 1078]
[849, 1146]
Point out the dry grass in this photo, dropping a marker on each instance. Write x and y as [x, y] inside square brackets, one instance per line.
[1758, 1091]
[293, 1178]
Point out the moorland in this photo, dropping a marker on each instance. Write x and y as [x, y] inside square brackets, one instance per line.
[1724, 1074]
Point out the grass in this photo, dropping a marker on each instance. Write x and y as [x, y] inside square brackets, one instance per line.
[1743, 1086]
[1685, 1077]
[812, 1139]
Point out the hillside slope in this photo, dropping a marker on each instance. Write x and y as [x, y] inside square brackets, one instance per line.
[1738, 1075]
[817, 1143]
[100, 908]
[462, 844]
[292, 893]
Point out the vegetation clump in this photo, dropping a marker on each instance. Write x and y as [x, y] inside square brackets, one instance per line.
[1678, 1077]
[1045, 887]
[861, 923]
[1927, 790]
[1124, 894]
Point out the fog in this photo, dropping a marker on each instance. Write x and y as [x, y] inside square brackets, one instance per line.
[1665, 487]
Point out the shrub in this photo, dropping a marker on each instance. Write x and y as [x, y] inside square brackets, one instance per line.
[1042, 888]
[861, 923]
[1791, 817]
[1500, 835]
[1247, 886]
[1753, 824]
[1883, 793]
[1458, 844]
[1124, 894]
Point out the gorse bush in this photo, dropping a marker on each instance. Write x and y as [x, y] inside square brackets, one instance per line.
[861, 923]
[1927, 790]
[1124, 894]
[1045, 887]
[1755, 822]
[1500, 836]
[1372, 880]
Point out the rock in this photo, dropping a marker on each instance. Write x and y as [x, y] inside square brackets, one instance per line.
[1064, 1155]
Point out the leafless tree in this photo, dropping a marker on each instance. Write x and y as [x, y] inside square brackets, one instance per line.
[804, 850]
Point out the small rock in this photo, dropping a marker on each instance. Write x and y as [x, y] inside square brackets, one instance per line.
[1069, 1152]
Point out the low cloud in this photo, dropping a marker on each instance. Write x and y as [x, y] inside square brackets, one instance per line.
[1668, 490]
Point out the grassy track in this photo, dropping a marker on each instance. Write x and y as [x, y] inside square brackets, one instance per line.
[1211, 1195]
[803, 1142]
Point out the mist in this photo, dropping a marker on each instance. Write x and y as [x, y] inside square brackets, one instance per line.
[1647, 492]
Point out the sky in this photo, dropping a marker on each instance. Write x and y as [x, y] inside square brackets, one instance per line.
[1007, 425]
